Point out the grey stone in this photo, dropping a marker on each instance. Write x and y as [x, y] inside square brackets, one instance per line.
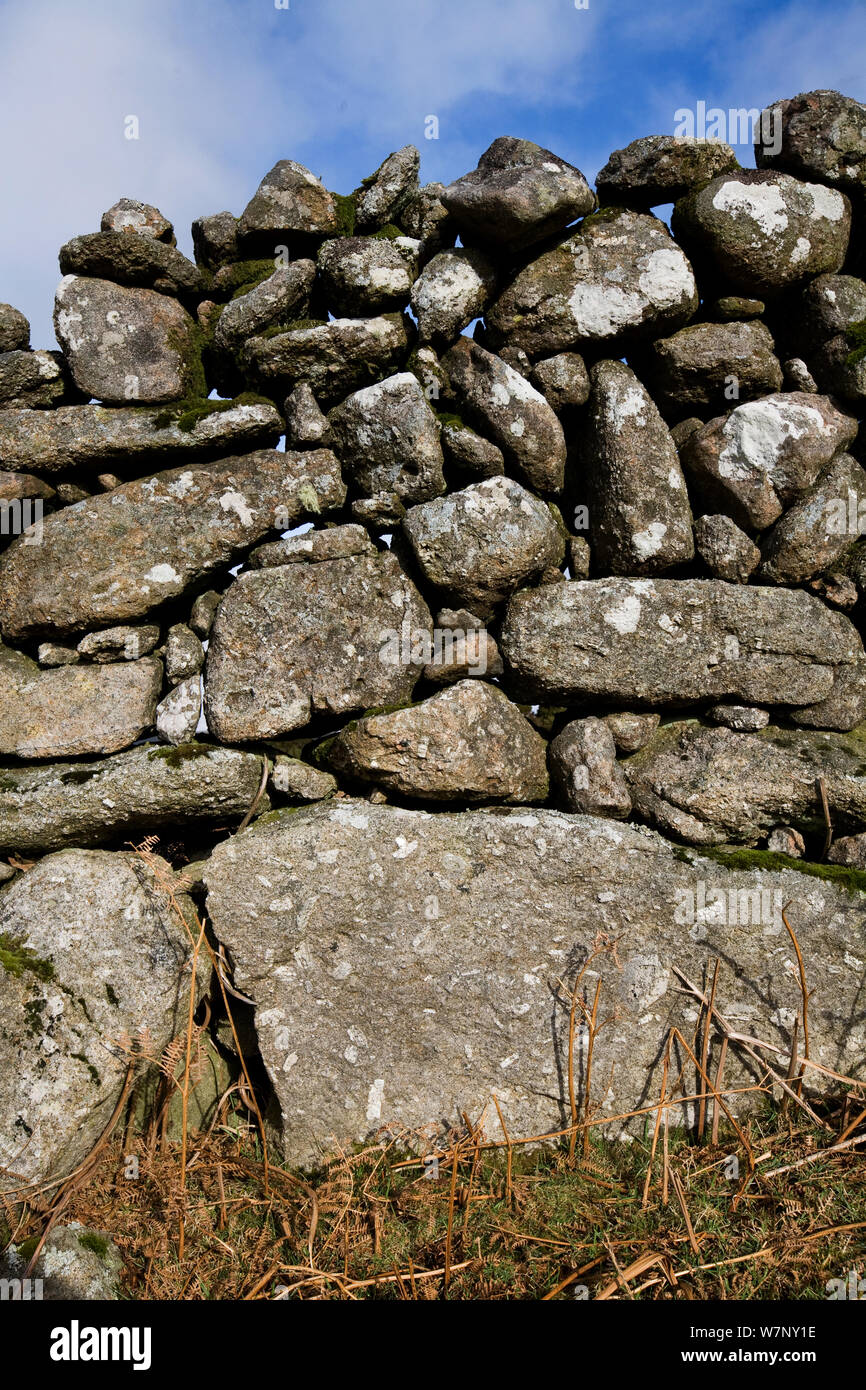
[729, 308]
[709, 786]
[202, 613]
[638, 504]
[765, 455]
[119, 555]
[14, 330]
[382, 196]
[125, 344]
[184, 654]
[726, 551]
[336, 543]
[620, 277]
[797, 376]
[764, 231]
[844, 707]
[454, 288]
[129, 215]
[849, 850]
[387, 440]
[468, 743]
[306, 426]
[746, 719]
[289, 204]
[470, 453]
[660, 169]
[73, 710]
[74, 1264]
[132, 258]
[299, 781]
[215, 240]
[145, 790]
[579, 557]
[299, 640]
[426, 218]
[18, 486]
[34, 381]
[334, 358]
[506, 408]
[119, 643]
[786, 840]
[284, 295]
[813, 533]
[365, 276]
[97, 437]
[101, 955]
[461, 649]
[179, 712]
[478, 545]
[53, 654]
[675, 642]
[519, 194]
[823, 137]
[563, 380]
[631, 731]
[585, 772]
[822, 327]
[707, 365]
[446, 990]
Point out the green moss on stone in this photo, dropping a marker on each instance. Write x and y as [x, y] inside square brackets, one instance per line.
[856, 336]
[346, 210]
[851, 880]
[179, 754]
[243, 276]
[16, 959]
[389, 232]
[185, 415]
[89, 1240]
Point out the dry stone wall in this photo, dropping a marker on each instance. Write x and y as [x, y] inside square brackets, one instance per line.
[459, 581]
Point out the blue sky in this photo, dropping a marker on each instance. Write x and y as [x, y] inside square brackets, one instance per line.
[224, 88]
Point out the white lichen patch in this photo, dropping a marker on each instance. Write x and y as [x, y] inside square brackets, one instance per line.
[762, 203]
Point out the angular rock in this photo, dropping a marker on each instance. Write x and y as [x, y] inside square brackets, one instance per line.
[660, 169]
[468, 743]
[674, 642]
[74, 710]
[215, 240]
[709, 786]
[337, 543]
[849, 850]
[746, 719]
[619, 278]
[478, 545]
[845, 706]
[34, 381]
[387, 440]
[454, 288]
[14, 330]
[382, 196]
[814, 532]
[146, 790]
[125, 344]
[563, 380]
[93, 436]
[284, 295]
[129, 215]
[373, 1035]
[92, 953]
[365, 276]
[426, 218]
[184, 654]
[203, 611]
[638, 504]
[300, 640]
[299, 781]
[585, 772]
[786, 840]
[53, 654]
[631, 731]
[305, 423]
[726, 551]
[825, 327]
[823, 137]
[519, 194]
[119, 643]
[333, 358]
[17, 486]
[132, 258]
[509, 411]
[119, 555]
[765, 455]
[797, 376]
[700, 367]
[764, 231]
[178, 714]
[470, 453]
[290, 205]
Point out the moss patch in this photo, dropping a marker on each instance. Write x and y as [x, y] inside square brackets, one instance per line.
[16, 959]
[185, 415]
[856, 336]
[346, 210]
[243, 276]
[389, 232]
[180, 753]
[89, 1240]
[851, 880]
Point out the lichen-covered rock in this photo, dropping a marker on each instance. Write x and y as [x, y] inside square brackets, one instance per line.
[145, 790]
[365, 276]
[705, 366]
[478, 545]
[519, 194]
[333, 358]
[387, 440]
[823, 137]
[674, 642]
[849, 850]
[126, 344]
[585, 771]
[468, 743]
[660, 169]
[638, 504]
[34, 381]
[295, 641]
[726, 551]
[100, 437]
[506, 408]
[764, 231]
[336, 543]
[744, 718]
[709, 786]
[469, 453]
[120, 555]
[631, 731]
[184, 654]
[825, 326]
[365, 1032]
[382, 196]
[179, 712]
[562, 379]
[17, 486]
[132, 258]
[129, 215]
[289, 206]
[299, 781]
[119, 643]
[426, 218]
[619, 278]
[814, 532]
[454, 288]
[74, 1264]
[14, 330]
[284, 295]
[215, 240]
[72, 710]
[306, 425]
[765, 455]
[90, 952]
